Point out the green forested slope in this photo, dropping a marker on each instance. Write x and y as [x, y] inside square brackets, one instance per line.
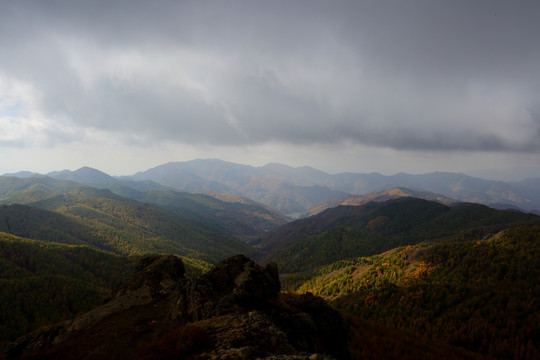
[45, 282]
[246, 221]
[482, 294]
[99, 218]
[15, 190]
[61, 255]
[42, 282]
[349, 231]
[36, 223]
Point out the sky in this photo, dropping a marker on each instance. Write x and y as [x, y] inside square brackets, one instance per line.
[364, 86]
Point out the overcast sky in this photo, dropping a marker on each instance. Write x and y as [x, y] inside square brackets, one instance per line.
[386, 86]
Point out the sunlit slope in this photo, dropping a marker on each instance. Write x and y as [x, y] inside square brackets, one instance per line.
[242, 218]
[107, 221]
[349, 231]
[480, 293]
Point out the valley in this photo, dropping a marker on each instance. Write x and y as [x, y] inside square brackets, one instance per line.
[438, 258]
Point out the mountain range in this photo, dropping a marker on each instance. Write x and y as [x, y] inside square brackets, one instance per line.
[269, 184]
[416, 257]
[293, 191]
[243, 218]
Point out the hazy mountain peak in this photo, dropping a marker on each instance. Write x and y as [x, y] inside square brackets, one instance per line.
[59, 172]
[294, 190]
[85, 175]
[277, 166]
[22, 174]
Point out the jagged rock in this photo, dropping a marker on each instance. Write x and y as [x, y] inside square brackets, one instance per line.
[154, 278]
[237, 306]
[252, 334]
[234, 281]
[155, 275]
[245, 278]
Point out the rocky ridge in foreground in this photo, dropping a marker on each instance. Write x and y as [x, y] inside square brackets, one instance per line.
[235, 311]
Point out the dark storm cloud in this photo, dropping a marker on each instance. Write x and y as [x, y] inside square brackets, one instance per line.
[414, 75]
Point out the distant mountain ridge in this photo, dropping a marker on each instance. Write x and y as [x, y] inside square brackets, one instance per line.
[284, 188]
[379, 196]
[85, 175]
[293, 191]
[273, 184]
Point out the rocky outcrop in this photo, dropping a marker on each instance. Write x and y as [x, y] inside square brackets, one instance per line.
[154, 279]
[237, 281]
[237, 306]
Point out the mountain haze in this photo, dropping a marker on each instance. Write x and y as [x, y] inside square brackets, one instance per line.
[293, 190]
[247, 221]
[242, 218]
[284, 188]
[86, 176]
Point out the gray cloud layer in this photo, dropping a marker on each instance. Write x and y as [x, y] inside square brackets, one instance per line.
[414, 75]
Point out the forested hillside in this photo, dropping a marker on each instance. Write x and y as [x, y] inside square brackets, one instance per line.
[348, 231]
[479, 293]
[247, 221]
[107, 221]
[15, 190]
[44, 282]
[379, 196]
[52, 263]
[244, 219]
